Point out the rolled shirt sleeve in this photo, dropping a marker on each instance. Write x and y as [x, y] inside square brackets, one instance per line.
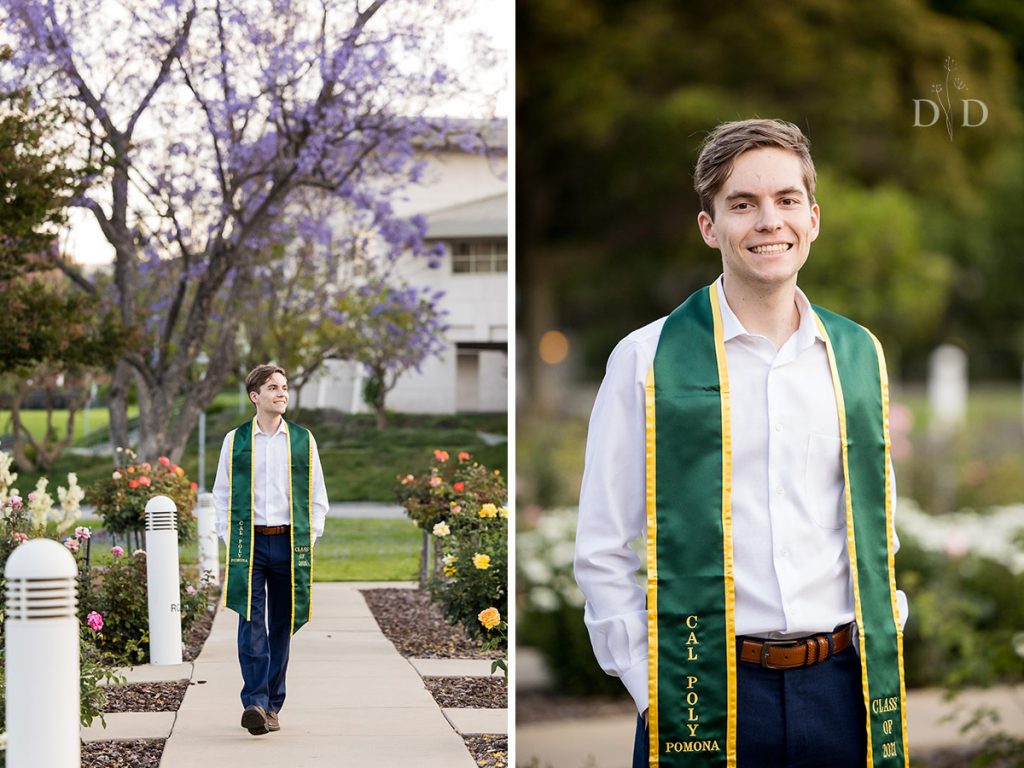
[220, 489]
[318, 495]
[612, 514]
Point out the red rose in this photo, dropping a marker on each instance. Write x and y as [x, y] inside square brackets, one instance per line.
[459, 486]
[133, 483]
[195, 486]
[164, 460]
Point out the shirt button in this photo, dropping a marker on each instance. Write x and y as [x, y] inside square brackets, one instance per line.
[778, 427]
[780, 490]
[784, 553]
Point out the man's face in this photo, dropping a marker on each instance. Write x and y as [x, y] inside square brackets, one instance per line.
[764, 221]
[273, 396]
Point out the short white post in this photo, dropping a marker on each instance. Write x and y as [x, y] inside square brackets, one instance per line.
[947, 389]
[42, 657]
[209, 556]
[163, 580]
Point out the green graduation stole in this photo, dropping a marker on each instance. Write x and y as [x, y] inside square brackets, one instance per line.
[690, 588]
[238, 572]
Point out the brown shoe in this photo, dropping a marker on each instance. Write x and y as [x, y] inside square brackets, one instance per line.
[254, 719]
[272, 722]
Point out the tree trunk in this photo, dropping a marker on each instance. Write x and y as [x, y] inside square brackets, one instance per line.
[118, 409]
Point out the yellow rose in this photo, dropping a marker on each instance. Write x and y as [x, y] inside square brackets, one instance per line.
[442, 529]
[481, 562]
[503, 512]
[489, 617]
[488, 510]
[449, 570]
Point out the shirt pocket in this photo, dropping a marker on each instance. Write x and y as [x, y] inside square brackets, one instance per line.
[823, 481]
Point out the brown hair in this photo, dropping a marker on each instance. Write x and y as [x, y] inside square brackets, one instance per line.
[730, 140]
[259, 375]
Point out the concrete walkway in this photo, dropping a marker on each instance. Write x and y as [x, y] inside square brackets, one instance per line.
[352, 700]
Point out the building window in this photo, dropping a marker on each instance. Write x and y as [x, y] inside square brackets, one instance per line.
[483, 255]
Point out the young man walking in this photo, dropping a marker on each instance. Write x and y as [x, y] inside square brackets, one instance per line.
[746, 435]
[271, 505]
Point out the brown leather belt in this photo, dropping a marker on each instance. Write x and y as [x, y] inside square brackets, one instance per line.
[789, 654]
[271, 530]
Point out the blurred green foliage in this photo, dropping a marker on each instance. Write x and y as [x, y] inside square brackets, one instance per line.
[918, 231]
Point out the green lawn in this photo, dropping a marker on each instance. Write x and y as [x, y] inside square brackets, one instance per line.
[98, 421]
[351, 549]
[360, 462]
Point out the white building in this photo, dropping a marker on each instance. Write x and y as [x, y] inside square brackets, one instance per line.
[464, 197]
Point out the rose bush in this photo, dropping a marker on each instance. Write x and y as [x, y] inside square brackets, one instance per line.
[121, 498]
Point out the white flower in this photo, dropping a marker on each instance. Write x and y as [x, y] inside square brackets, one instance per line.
[449, 559]
[70, 502]
[40, 503]
[442, 529]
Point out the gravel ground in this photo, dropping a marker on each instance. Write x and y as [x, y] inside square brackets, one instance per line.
[417, 627]
[139, 753]
[146, 697]
[471, 692]
[488, 751]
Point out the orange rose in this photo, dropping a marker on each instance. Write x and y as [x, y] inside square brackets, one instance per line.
[489, 617]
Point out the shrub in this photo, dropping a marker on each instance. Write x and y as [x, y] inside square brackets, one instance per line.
[429, 497]
[462, 503]
[550, 616]
[119, 594]
[121, 498]
[475, 574]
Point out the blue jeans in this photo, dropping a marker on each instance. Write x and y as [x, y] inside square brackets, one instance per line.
[798, 718]
[264, 641]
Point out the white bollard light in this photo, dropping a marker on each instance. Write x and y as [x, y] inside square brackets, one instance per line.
[163, 580]
[42, 657]
[209, 556]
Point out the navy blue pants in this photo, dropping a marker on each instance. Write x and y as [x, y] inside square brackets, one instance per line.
[807, 717]
[264, 641]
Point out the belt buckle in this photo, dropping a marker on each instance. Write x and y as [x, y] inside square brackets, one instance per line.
[766, 644]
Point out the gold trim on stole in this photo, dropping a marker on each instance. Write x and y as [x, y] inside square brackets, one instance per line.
[652, 574]
[291, 527]
[727, 551]
[850, 542]
[309, 514]
[890, 529]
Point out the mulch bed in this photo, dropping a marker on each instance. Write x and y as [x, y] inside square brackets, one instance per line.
[145, 697]
[468, 692]
[197, 635]
[488, 751]
[417, 627]
[138, 753]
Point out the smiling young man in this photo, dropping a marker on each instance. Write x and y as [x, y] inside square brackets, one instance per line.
[746, 436]
[271, 505]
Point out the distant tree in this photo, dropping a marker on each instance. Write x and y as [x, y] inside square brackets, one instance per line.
[394, 329]
[207, 117]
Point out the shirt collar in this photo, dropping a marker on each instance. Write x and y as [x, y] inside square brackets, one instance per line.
[806, 333]
[257, 431]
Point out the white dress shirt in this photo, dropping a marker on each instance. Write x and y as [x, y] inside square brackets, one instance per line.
[270, 470]
[792, 572]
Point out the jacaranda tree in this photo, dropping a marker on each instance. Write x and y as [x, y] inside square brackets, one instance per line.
[205, 119]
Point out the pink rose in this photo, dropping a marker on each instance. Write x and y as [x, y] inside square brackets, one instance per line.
[82, 533]
[435, 481]
[441, 456]
[19, 537]
[144, 480]
[165, 461]
[95, 621]
[71, 544]
[190, 589]
[117, 551]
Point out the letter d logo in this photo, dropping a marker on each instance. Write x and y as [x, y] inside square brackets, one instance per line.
[917, 113]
